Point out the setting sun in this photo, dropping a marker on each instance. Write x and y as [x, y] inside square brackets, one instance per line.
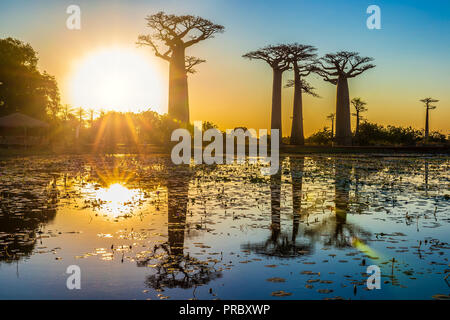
[117, 79]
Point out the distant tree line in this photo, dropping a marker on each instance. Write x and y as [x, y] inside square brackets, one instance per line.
[371, 134]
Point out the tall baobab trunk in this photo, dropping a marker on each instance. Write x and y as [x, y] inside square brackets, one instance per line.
[178, 96]
[343, 134]
[427, 126]
[297, 136]
[276, 101]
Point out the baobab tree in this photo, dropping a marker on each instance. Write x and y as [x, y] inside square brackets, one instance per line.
[278, 59]
[360, 107]
[337, 68]
[331, 116]
[302, 58]
[176, 34]
[428, 106]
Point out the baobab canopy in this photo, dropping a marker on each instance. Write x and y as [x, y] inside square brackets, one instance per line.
[343, 64]
[171, 36]
[277, 56]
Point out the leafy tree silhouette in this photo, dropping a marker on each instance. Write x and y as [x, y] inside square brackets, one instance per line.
[331, 116]
[23, 88]
[360, 107]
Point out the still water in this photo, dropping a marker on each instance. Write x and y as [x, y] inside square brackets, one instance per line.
[142, 228]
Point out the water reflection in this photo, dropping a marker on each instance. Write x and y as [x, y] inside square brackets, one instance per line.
[23, 212]
[177, 201]
[311, 226]
[280, 244]
[342, 234]
[313, 208]
[172, 267]
[296, 166]
[333, 230]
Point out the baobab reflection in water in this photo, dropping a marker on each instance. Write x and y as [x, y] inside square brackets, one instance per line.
[224, 231]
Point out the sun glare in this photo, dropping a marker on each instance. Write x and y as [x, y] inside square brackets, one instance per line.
[116, 199]
[117, 79]
[116, 193]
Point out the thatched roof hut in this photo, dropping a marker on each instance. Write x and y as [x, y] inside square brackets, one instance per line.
[20, 129]
[18, 120]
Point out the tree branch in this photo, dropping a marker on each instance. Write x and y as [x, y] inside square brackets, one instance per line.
[191, 62]
[276, 56]
[305, 87]
[146, 40]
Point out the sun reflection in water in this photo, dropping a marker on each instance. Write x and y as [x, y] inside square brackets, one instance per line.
[116, 199]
